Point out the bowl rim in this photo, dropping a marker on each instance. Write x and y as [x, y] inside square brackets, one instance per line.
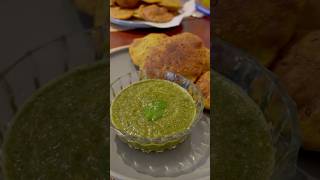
[167, 138]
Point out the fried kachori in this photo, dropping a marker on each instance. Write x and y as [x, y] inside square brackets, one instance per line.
[298, 70]
[118, 13]
[138, 12]
[156, 13]
[184, 54]
[204, 85]
[140, 48]
[128, 3]
[112, 3]
[151, 1]
[173, 5]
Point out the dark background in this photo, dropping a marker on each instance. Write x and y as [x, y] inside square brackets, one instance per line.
[41, 40]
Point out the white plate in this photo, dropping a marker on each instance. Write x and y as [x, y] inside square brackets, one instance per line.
[189, 161]
[188, 8]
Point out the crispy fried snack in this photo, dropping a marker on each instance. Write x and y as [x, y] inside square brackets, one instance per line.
[172, 5]
[159, 11]
[140, 48]
[184, 54]
[204, 85]
[118, 13]
[112, 3]
[151, 1]
[156, 13]
[299, 71]
[138, 12]
[127, 3]
[261, 27]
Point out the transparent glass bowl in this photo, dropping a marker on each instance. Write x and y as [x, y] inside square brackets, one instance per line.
[165, 142]
[264, 89]
[34, 69]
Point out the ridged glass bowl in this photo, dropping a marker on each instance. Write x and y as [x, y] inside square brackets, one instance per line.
[165, 142]
[268, 93]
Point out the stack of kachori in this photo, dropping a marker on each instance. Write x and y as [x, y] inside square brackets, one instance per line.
[159, 11]
[184, 54]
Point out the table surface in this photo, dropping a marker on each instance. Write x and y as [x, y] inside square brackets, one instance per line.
[198, 26]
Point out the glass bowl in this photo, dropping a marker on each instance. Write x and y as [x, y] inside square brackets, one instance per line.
[268, 93]
[166, 142]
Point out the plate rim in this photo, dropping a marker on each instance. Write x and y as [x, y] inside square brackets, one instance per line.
[113, 174]
[119, 48]
[130, 24]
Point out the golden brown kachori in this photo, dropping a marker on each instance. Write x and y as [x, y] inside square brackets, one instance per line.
[151, 1]
[127, 3]
[204, 85]
[118, 13]
[298, 71]
[140, 48]
[156, 13]
[173, 5]
[184, 54]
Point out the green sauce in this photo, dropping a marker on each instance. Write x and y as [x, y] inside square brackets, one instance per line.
[152, 109]
[61, 132]
[242, 144]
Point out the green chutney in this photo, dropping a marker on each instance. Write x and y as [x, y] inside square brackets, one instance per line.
[242, 147]
[153, 109]
[61, 131]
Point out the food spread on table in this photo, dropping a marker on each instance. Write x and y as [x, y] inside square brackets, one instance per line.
[159, 11]
[243, 146]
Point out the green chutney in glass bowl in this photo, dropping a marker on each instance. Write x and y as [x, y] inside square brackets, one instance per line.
[154, 114]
